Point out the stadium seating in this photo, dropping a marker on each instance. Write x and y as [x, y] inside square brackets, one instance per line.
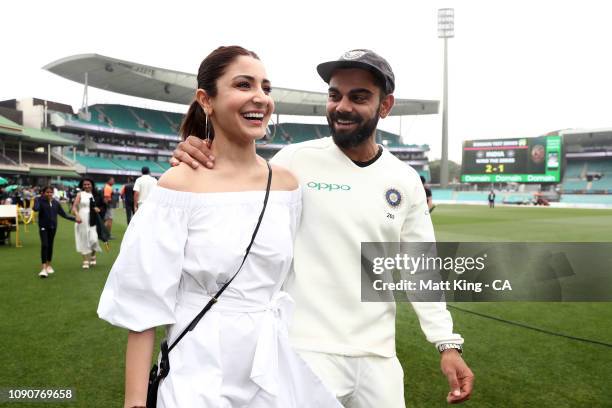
[164, 165]
[575, 168]
[576, 175]
[100, 163]
[480, 196]
[299, 132]
[587, 199]
[30, 157]
[574, 185]
[132, 118]
[121, 117]
[389, 139]
[158, 123]
[93, 162]
[137, 165]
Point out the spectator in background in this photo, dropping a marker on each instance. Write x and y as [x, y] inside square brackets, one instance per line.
[127, 195]
[3, 195]
[143, 186]
[108, 198]
[48, 209]
[86, 236]
[491, 198]
[428, 194]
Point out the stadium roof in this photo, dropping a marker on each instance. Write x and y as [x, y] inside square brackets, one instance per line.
[10, 128]
[144, 81]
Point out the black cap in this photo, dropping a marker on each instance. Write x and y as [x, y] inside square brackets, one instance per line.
[364, 59]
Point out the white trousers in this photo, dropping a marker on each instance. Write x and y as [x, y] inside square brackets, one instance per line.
[360, 382]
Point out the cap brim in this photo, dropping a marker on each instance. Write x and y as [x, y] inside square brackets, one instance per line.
[326, 69]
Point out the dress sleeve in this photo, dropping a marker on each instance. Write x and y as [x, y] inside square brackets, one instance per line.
[140, 292]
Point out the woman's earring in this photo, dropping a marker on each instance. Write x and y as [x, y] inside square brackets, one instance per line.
[206, 129]
[269, 136]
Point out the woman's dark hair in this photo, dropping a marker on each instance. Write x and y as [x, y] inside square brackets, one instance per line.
[93, 185]
[211, 69]
[45, 188]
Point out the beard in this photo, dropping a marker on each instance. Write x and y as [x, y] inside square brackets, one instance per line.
[351, 139]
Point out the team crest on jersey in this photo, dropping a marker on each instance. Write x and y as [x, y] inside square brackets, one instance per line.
[393, 198]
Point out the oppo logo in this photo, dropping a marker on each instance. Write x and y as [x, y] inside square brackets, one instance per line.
[328, 186]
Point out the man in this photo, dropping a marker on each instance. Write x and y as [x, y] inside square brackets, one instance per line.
[3, 195]
[428, 195]
[127, 195]
[142, 187]
[355, 191]
[108, 204]
[491, 198]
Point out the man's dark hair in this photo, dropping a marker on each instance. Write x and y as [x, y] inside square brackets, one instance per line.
[145, 170]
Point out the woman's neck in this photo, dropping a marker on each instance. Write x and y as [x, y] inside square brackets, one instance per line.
[232, 154]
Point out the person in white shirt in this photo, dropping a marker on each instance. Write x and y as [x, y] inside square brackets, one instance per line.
[355, 191]
[143, 186]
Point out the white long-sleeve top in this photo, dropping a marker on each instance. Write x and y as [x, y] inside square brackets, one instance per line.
[343, 206]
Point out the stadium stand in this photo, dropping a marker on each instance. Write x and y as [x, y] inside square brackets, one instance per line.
[137, 165]
[588, 176]
[287, 133]
[32, 158]
[605, 199]
[114, 139]
[97, 163]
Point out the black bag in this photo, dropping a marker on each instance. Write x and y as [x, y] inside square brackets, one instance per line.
[159, 373]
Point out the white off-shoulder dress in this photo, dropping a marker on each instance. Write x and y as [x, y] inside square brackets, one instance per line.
[177, 252]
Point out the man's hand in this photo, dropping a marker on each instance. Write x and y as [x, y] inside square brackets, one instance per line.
[193, 151]
[460, 377]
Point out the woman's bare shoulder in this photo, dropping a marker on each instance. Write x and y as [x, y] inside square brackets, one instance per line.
[283, 179]
[182, 178]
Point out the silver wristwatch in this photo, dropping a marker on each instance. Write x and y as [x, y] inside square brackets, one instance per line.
[446, 346]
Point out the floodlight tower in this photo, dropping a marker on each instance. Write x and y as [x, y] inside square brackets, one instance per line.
[446, 30]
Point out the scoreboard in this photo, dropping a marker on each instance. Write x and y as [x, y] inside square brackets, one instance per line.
[520, 160]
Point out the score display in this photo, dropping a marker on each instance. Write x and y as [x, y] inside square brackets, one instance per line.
[521, 160]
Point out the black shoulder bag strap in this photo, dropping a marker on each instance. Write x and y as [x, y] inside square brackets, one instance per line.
[155, 376]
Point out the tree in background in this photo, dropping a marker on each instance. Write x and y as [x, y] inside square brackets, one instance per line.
[454, 170]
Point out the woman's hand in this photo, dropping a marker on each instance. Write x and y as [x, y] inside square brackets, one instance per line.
[96, 209]
[78, 219]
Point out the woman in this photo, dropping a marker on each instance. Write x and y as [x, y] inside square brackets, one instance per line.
[85, 234]
[189, 238]
[48, 209]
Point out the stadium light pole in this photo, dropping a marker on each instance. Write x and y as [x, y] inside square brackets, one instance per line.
[446, 30]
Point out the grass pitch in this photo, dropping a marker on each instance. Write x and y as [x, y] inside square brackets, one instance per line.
[50, 336]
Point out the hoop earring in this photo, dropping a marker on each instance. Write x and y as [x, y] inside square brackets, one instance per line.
[269, 136]
[206, 129]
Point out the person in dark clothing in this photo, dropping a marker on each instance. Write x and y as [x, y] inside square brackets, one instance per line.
[127, 194]
[48, 209]
[491, 198]
[428, 194]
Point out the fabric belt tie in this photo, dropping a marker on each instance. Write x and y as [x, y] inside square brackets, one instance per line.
[273, 327]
